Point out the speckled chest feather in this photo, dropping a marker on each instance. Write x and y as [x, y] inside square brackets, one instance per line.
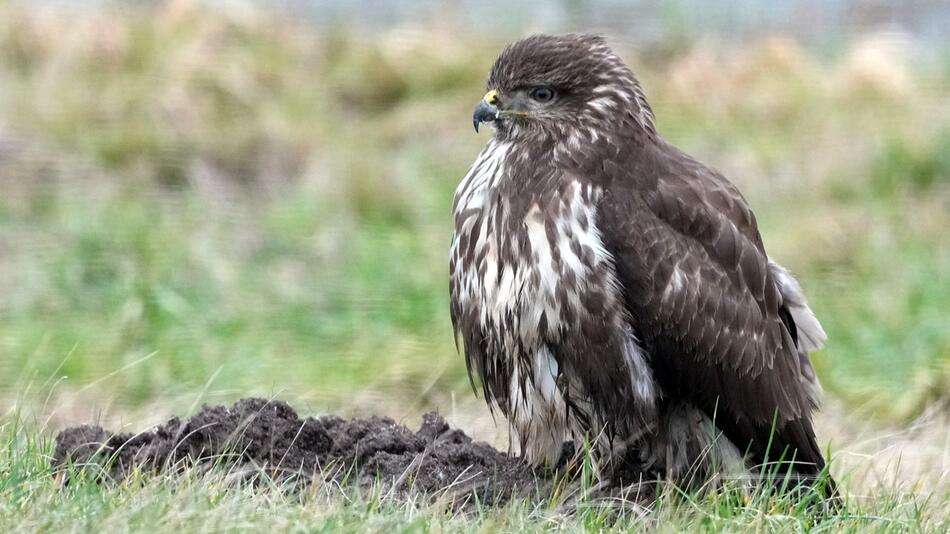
[537, 304]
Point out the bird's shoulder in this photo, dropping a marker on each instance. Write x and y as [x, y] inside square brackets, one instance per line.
[661, 181]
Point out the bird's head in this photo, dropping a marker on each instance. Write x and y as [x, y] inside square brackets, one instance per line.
[554, 84]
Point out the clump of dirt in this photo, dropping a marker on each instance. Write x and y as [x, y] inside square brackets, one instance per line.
[256, 438]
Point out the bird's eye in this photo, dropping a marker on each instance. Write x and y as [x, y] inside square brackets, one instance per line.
[542, 94]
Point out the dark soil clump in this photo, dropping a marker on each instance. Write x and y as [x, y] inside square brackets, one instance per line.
[257, 439]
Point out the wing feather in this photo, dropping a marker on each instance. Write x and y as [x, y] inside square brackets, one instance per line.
[718, 315]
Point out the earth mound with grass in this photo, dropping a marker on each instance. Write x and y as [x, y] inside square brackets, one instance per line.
[266, 440]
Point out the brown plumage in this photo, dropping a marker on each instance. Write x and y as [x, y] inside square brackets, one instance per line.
[605, 284]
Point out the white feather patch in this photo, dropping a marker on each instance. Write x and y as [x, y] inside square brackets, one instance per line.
[811, 335]
[537, 410]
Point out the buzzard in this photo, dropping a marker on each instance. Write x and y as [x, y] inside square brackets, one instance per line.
[607, 286]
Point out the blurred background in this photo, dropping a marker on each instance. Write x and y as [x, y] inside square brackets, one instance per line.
[202, 201]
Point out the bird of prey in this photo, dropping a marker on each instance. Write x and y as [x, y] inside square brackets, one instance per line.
[607, 286]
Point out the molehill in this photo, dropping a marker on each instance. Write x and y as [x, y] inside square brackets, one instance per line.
[259, 439]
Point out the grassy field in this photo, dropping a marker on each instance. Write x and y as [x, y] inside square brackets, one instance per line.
[202, 502]
[198, 207]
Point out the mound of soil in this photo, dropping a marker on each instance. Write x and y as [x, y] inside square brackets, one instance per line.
[258, 438]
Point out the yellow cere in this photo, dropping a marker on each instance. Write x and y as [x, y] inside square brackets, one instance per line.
[491, 97]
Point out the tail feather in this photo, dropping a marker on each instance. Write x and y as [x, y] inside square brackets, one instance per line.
[789, 456]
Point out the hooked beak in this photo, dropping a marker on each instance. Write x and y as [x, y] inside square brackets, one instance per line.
[486, 110]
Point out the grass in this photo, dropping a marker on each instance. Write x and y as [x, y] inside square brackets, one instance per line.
[201, 206]
[32, 499]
